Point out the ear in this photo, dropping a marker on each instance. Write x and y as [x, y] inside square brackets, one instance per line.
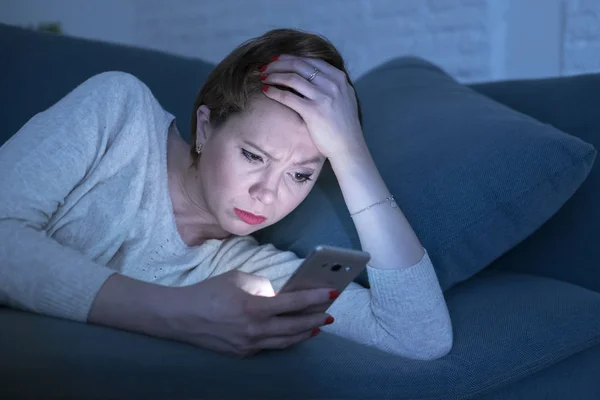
[203, 128]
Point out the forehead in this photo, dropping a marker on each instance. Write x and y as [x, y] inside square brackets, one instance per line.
[272, 124]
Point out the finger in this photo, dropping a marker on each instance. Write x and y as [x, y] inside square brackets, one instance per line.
[292, 100]
[326, 68]
[293, 81]
[283, 342]
[287, 63]
[293, 325]
[266, 291]
[292, 302]
[286, 325]
[310, 63]
[252, 284]
[305, 67]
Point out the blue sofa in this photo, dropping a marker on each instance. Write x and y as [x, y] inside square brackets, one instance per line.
[526, 327]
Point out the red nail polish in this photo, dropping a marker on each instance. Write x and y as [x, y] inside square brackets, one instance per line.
[315, 332]
[334, 294]
[263, 77]
[265, 88]
[329, 320]
[263, 68]
[274, 58]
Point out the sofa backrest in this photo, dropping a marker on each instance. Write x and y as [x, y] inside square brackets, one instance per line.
[39, 68]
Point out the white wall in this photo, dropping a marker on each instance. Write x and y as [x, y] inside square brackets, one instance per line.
[366, 32]
[581, 46]
[475, 40]
[110, 20]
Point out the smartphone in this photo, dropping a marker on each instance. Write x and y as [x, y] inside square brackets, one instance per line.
[327, 267]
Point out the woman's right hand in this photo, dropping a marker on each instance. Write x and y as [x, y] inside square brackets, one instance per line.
[238, 314]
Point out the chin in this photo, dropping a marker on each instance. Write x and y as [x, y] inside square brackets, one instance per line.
[240, 228]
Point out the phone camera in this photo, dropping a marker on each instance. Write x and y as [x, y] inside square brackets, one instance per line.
[336, 267]
[347, 268]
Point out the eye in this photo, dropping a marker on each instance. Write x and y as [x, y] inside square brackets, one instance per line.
[301, 178]
[251, 157]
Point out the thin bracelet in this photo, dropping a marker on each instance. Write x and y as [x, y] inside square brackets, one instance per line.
[386, 200]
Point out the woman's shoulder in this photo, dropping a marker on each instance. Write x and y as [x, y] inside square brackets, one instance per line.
[115, 80]
[114, 85]
[119, 98]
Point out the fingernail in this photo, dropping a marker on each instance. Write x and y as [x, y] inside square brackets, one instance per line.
[265, 88]
[274, 58]
[315, 332]
[334, 294]
[329, 320]
[263, 77]
[263, 68]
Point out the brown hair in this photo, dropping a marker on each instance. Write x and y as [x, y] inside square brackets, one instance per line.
[230, 85]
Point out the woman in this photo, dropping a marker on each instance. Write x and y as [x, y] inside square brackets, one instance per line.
[108, 217]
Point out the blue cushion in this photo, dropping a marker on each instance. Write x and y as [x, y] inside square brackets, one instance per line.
[507, 327]
[549, 249]
[473, 177]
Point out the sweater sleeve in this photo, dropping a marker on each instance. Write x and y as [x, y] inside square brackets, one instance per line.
[39, 166]
[404, 312]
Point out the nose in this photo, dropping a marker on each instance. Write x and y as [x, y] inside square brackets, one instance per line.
[265, 190]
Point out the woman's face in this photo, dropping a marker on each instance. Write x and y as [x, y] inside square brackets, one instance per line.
[256, 167]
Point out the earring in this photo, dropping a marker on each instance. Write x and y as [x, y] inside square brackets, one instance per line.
[199, 147]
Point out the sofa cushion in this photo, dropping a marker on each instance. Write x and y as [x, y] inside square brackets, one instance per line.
[507, 327]
[473, 177]
[40, 68]
[549, 249]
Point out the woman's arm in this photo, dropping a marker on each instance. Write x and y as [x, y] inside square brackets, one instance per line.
[383, 230]
[39, 167]
[232, 313]
[404, 311]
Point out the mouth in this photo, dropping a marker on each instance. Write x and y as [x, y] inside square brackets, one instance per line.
[249, 218]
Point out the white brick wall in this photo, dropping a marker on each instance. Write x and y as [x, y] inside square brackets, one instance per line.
[475, 40]
[581, 48]
[452, 32]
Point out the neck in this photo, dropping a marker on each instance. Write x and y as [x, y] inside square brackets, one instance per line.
[194, 220]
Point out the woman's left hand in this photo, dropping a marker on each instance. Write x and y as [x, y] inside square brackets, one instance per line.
[329, 107]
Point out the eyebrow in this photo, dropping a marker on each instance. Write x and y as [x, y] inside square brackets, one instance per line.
[312, 160]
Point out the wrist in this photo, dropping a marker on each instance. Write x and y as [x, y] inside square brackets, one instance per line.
[129, 304]
[351, 154]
